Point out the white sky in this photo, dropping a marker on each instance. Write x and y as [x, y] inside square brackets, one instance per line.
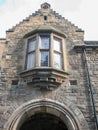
[83, 13]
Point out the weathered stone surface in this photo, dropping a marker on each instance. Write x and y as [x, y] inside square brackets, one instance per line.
[12, 62]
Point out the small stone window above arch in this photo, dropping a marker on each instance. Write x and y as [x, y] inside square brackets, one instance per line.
[45, 18]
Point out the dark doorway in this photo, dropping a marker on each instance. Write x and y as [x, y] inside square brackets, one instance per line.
[43, 121]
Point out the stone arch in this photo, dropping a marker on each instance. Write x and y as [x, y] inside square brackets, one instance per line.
[55, 108]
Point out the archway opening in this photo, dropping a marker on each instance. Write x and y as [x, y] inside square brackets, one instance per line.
[43, 121]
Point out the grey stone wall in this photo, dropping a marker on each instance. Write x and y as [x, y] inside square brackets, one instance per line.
[13, 62]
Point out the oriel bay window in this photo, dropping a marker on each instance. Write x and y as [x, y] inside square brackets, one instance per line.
[43, 56]
[46, 62]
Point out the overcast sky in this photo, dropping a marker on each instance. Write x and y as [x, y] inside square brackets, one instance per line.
[83, 13]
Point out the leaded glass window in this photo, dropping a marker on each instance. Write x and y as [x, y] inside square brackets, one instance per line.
[44, 58]
[31, 53]
[57, 43]
[30, 60]
[57, 61]
[44, 50]
[32, 45]
[38, 52]
[44, 44]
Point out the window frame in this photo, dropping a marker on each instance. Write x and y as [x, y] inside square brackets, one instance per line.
[31, 52]
[59, 52]
[41, 59]
[31, 60]
[57, 39]
[34, 38]
[44, 35]
[44, 49]
[50, 50]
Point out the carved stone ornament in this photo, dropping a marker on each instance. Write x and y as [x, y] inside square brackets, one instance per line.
[45, 6]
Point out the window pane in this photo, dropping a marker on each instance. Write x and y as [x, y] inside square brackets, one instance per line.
[44, 58]
[32, 45]
[44, 42]
[31, 60]
[57, 44]
[57, 61]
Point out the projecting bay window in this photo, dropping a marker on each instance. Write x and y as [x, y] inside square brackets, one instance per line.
[46, 61]
[46, 50]
[31, 53]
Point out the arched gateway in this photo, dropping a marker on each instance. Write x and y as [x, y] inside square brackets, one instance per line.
[44, 115]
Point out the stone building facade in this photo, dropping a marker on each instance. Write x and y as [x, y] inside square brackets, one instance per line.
[48, 75]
